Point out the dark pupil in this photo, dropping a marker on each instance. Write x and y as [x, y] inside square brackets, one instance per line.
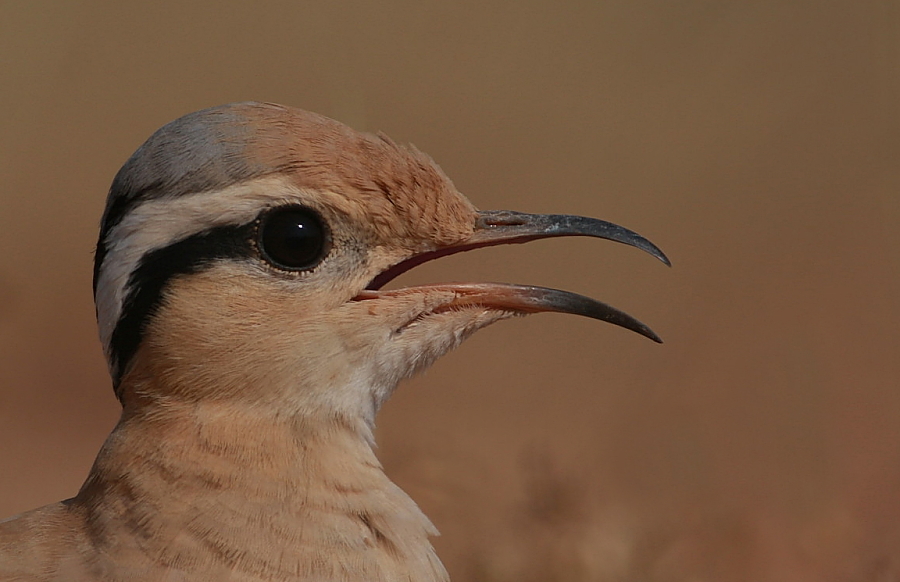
[293, 238]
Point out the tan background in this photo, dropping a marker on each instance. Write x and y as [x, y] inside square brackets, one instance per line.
[756, 142]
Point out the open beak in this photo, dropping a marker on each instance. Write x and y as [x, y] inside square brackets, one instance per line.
[496, 227]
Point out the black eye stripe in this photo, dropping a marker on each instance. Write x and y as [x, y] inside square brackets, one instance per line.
[148, 280]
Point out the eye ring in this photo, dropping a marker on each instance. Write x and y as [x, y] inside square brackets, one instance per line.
[293, 238]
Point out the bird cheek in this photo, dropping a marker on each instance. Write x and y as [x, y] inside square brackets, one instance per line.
[424, 340]
[399, 335]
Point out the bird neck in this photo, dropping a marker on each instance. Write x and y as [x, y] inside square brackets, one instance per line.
[211, 487]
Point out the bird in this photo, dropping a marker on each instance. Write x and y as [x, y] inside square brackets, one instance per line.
[239, 283]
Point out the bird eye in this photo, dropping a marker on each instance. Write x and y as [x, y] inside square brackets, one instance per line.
[293, 238]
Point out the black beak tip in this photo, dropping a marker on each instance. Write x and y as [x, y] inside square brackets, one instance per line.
[638, 327]
[662, 257]
[652, 335]
[655, 251]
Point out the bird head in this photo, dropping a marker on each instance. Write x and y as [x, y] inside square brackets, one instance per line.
[244, 249]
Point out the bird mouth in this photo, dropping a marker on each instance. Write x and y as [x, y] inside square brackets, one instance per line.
[499, 227]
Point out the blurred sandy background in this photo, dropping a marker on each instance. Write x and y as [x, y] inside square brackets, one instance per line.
[756, 142]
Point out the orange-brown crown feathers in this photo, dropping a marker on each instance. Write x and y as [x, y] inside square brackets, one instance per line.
[222, 146]
[389, 181]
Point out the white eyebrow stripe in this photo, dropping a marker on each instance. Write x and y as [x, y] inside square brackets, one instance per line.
[163, 221]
